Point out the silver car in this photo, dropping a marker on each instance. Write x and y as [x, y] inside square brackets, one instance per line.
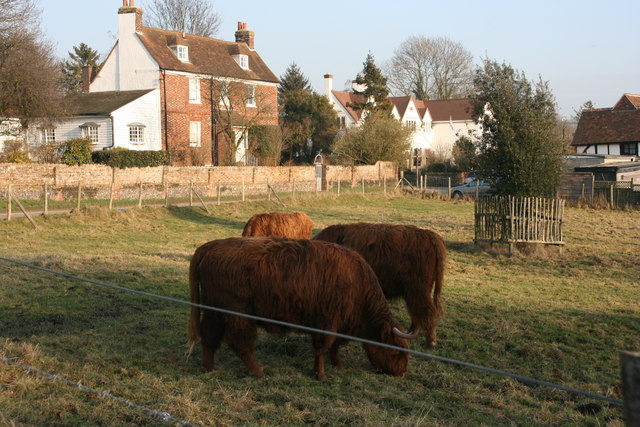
[470, 188]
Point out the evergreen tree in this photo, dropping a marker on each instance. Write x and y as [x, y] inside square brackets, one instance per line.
[293, 80]
[82, 56]
[372, 86]
[520, 150]
[307, 119]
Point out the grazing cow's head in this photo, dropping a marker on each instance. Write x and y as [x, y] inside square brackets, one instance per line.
[390, 361]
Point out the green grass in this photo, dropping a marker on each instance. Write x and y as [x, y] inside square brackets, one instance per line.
[562, 318]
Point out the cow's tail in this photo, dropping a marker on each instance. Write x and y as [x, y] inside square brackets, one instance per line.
[441, 255]
[194, 294]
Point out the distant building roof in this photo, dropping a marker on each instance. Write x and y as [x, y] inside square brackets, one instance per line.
[101, 103]
[617, 124]
[454, 109]
[348, 98]
[206, 55]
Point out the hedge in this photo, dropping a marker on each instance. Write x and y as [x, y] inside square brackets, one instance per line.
[132, 158]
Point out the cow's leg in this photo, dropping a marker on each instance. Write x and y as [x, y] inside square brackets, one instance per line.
[212, 331]
[241, 336]
[423, 313]
[320, 344]
[336, 360]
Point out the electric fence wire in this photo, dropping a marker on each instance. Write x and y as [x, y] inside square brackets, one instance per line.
[521, 378]
[162, 416]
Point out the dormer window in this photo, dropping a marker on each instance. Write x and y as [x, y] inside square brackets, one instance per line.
[242, 60]
[182, 52]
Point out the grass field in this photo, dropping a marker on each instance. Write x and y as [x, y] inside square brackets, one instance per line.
[561, 318]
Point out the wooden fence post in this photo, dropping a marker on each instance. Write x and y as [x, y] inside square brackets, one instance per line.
[449, 187]
[46, 199]
[140, 196]
[611, 196]
[593, 186]
[293, 185]
[79, 195]
[111, 196]
[166, 194]
[630, 363]
[190, 193]
[384, 185]
[9, 202]
[338, 186]
[243, 188]
[218, 192]
[477, 187]
[363, 185]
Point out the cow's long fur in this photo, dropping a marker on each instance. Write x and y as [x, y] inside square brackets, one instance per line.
[409, 262]
[294, 225]
[311, 283]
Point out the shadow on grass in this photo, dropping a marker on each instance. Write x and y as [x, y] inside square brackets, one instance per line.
[199, 216]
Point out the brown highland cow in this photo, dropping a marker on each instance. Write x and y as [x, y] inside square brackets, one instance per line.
[305, 282]
[294, 225]
[409, 262]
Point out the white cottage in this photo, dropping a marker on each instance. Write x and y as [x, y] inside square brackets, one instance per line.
[127, 119]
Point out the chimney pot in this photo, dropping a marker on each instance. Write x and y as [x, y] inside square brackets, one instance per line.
[245, 36]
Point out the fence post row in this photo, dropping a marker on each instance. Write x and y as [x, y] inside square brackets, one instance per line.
[630, 367]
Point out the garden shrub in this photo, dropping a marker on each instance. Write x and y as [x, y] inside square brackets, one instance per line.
[123, 158]
[76, 151]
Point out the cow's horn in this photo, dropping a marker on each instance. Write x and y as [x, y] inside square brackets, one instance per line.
[399, 333]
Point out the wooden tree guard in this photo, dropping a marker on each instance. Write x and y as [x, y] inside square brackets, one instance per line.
[511, 220]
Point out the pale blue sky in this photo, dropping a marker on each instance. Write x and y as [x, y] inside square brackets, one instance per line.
[587, 50]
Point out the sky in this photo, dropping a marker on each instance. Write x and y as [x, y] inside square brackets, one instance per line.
[586, 50]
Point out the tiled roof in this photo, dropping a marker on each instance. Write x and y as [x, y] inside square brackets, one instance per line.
[628, 102]
[346, 98]
[206, 55]
[606, 125]
[102, 103]
[401, 103]
[456, 109]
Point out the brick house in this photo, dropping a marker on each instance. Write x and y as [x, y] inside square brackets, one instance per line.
[612, 131]
[208, 92]
[436, 124]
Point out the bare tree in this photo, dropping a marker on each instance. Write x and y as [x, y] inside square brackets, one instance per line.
[189, 16]
[431, 68]
[237, 109]
[29, 73]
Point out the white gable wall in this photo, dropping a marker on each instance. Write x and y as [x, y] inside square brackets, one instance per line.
[129, 66]
[146, 111]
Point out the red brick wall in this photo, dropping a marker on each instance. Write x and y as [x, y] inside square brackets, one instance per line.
[206, 179]
[178, 112]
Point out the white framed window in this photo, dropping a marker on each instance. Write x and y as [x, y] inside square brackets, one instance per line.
[48, 135]
[243, 61]
[194, 90]
[90, 130]
[182, 52]
[410, 124]
[224, 94]
[251, 95]
[195, 134]
[136, 133]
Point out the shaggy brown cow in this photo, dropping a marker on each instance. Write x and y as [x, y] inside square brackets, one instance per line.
[305, 282]
[294, 225]
[409, 262]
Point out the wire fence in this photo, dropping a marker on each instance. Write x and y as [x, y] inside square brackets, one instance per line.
[521, 378]
[162, 416]
[47, 198]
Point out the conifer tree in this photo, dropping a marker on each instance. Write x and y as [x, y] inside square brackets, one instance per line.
[82, 56]
[372, 86]
[292, 80]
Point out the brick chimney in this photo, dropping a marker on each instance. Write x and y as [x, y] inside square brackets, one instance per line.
[87, 71]
[130, 17]
[328, 85]
[245, 36]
